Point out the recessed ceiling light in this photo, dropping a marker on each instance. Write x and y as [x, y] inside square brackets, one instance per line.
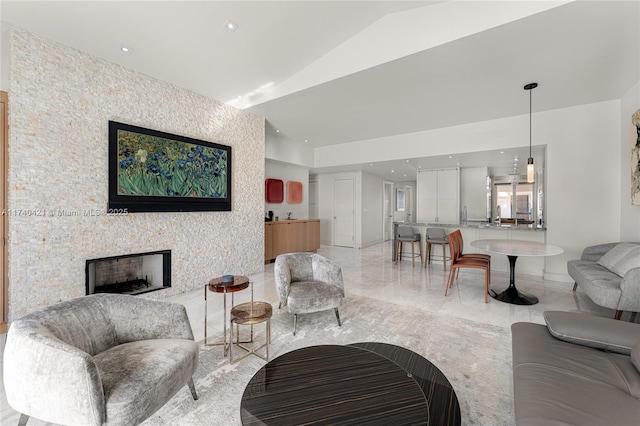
[371, 164]
[405, 175]
[451, 156]
[231, 26]
[277, 130]
[126, 49]
[419, 167]
[306, 140]
[407, 161]
[393, 171]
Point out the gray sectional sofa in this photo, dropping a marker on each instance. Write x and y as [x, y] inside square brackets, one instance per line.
[610, 275]
[577, 370]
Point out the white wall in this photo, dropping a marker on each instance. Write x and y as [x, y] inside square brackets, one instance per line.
[288, 172]
[583, 167]
[288, 151]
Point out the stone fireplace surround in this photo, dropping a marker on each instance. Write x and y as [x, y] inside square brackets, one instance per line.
[61, 102]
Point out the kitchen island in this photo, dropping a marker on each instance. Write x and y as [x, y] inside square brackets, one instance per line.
[476, 230]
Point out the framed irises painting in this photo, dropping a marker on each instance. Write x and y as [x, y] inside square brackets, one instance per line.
[153, 171]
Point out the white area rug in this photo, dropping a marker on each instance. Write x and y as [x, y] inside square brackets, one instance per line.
[475, 357]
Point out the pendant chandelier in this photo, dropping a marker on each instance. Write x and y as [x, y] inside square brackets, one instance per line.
[531, 173]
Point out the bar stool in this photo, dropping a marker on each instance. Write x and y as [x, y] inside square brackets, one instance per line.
[406, 235]
[250, 313]
[436, 236]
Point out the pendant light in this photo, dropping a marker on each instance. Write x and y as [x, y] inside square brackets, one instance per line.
[530, 169]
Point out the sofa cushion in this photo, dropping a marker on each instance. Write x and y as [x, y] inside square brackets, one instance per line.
[613, 256]
[629, 261]
[597, 281]
[313, 296]
[139, 377]
[595, 332]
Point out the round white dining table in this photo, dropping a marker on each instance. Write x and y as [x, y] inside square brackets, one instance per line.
[513, 249]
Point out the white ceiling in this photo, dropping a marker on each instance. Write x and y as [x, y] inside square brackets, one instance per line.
[579, 52]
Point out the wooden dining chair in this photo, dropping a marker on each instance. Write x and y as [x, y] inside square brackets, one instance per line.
[487, 257]
[458, 262]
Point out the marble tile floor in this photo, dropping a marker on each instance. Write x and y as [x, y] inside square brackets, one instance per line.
[370, 272]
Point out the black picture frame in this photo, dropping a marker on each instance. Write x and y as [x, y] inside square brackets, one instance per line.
[154, 171]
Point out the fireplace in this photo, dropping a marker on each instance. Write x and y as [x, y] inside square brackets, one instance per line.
[129, 273]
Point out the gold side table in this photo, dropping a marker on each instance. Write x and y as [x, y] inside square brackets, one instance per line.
[240, 282]
[250, 313]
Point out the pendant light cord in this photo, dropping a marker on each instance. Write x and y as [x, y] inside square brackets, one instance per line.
[530, 122]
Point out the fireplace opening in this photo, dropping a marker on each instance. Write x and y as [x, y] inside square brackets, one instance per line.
[129, 273]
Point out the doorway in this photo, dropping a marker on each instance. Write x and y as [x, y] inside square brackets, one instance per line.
[387, 210]
[344, 212]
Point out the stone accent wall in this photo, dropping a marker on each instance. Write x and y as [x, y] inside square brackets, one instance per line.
[60, 102]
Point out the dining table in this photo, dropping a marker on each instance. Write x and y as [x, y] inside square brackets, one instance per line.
[514, 249]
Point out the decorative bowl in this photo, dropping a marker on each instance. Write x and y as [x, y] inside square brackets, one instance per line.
[227, 278]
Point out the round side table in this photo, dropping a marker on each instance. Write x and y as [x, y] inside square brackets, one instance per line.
[250, 313]
[240, 282]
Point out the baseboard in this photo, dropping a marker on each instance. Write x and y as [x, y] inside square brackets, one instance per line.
[552, 276]
[372, 243]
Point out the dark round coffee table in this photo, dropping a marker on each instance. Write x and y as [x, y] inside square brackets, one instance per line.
[361, 383]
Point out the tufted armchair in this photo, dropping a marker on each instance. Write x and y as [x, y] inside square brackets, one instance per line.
[104, 359]
[308, 282]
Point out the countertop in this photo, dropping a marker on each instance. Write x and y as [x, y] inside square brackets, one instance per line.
[473, 224]
[291, 221]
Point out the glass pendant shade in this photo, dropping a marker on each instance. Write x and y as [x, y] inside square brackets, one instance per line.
[531, 173]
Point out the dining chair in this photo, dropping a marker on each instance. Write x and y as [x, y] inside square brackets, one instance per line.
[458, 262]
[406, 234]
[487, 257]
[437, 236]
[483, 256]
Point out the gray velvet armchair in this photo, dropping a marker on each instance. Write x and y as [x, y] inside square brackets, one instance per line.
[104, 359]
[308, 282]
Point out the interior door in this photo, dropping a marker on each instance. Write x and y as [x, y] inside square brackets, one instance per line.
[344, 212]
[387, 210]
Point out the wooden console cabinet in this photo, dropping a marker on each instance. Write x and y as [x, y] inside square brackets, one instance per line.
[288, 236]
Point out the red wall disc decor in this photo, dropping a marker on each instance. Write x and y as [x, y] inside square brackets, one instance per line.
[274, 190]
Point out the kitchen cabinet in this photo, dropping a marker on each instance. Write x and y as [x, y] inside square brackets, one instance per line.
[288, 236]
[438, 195]
[473, 192]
